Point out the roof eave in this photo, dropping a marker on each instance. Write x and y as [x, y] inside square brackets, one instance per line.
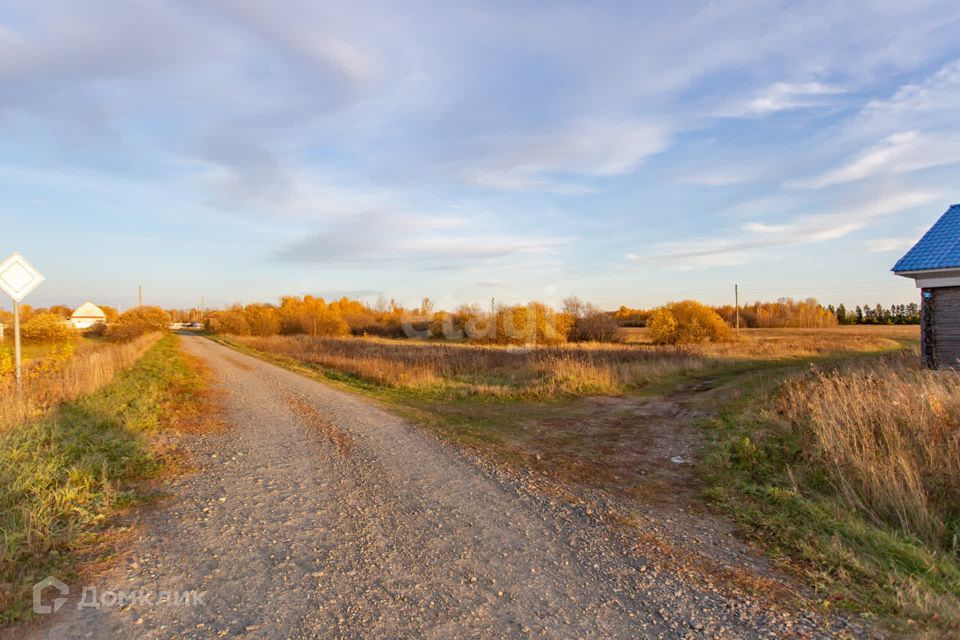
[911, 273]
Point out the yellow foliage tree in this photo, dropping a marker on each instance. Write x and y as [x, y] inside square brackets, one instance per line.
[263, 319]
[47, 327]
[687, 322]
[232, 321]
[138, 321]
[312, 316]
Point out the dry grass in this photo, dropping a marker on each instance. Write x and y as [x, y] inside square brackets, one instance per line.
[888, 434]
[64, 375]
[572, 369]
[797, 343]
[853, 474]
[486, 370]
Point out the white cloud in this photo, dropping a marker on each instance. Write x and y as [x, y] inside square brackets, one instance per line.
[914, 129]
[720, 177]
[373, 240]
[784, 96]
[596, 147]
[931, 103]
[521, 181]
[881, 245]
[760, 227]
[902, 243]
[747, 246]
[899, 153]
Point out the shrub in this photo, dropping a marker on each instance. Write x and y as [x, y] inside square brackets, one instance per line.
[6, 362]
[590, 324]
[98, 330]
[687, 322]
[264, 319]
[534, 323]
[232, 321]
[312, 316]
[137, 322]
[46, 327]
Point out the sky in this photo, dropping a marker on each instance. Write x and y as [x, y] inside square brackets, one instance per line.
[626, 152]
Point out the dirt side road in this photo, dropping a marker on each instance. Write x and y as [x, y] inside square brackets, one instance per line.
[319, 515]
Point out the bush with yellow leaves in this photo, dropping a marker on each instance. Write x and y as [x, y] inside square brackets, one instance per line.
[687, 322]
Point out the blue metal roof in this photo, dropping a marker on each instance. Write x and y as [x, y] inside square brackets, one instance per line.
[939, 248]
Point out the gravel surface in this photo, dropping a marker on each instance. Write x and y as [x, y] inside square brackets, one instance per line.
[320, 515]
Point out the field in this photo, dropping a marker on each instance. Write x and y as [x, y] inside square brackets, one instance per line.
[457, 369]
[796, 343]
[846, 473]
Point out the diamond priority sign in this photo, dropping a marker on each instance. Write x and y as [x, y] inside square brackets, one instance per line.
[17, 277]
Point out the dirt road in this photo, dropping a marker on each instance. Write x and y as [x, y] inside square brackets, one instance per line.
[318, 514]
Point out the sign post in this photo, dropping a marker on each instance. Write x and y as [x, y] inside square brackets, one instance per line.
[17, 279]
[16, 344]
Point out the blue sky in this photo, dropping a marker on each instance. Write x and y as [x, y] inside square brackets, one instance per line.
[625, 153]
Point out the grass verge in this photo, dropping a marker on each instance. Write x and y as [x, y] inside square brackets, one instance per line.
[63, 477]
[851, 477]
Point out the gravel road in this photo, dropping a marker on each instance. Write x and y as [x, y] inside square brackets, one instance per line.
[318, 514]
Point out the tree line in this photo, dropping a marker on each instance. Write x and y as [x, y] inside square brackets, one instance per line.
[534, 322]
[877, 314]
[789, 313]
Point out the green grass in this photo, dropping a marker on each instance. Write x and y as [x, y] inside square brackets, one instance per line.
[62, 477]
[757, 473]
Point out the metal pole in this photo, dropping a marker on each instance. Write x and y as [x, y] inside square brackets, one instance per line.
[16, 344]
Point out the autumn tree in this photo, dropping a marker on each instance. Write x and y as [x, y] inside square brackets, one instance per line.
[112, 314]
[627, 317]
[686, 322]
[533, 323]
[232, 321]
[312, 316]
[137, 322]
[263, 319]
[61, 310]
[47, 327]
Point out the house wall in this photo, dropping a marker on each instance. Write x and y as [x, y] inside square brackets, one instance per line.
[940, 327]
[86, 323]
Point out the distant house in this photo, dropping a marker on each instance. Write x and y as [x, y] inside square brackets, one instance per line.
[934, 263]
[88, 315]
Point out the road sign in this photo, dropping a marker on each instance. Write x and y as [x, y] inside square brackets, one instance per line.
[18, 278]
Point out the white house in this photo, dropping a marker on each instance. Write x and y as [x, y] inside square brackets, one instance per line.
[87, 315]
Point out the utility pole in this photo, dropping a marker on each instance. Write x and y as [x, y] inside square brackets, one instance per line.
[736, 302]
[202, 301]
[139, 295]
